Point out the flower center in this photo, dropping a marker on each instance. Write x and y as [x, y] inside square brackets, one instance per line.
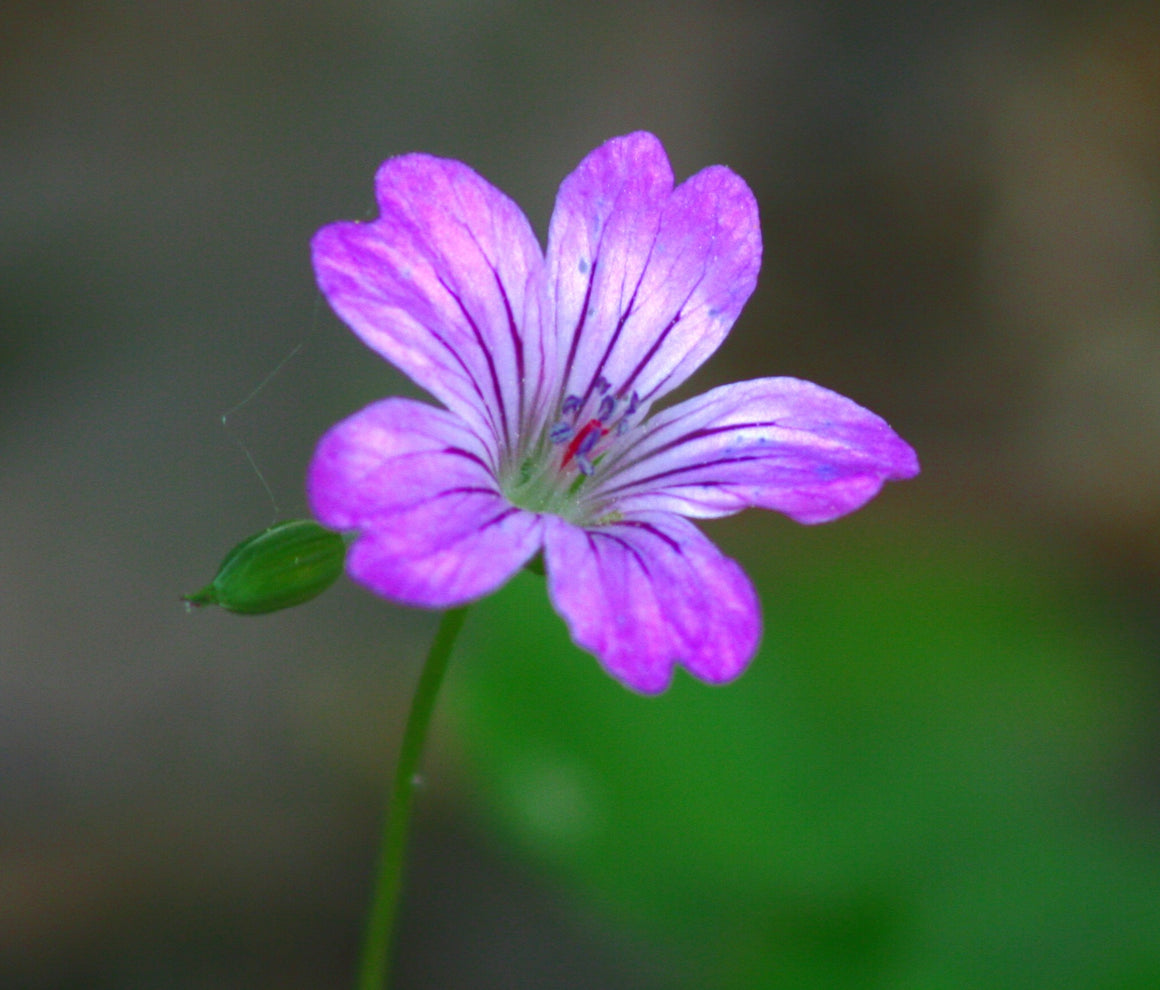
[554, 476]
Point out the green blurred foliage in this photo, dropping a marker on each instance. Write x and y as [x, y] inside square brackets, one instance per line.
[919, 783]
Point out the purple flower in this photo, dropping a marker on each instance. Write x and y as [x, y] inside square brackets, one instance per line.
[548, 365]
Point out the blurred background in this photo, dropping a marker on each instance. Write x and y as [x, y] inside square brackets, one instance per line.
[942, 770]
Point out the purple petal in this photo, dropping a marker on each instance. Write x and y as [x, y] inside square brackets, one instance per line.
[414, 482]
[648, 593]
[646, 280]
[446, 285]
[776, 443]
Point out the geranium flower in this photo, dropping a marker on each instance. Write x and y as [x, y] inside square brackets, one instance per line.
[547, 364]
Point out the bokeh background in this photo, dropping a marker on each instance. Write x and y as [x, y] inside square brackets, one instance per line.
[943, 769]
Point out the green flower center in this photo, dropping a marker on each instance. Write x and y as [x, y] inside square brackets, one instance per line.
[554, 475]
[541, 483]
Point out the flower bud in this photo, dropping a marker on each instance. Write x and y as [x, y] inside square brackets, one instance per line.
[285, 565]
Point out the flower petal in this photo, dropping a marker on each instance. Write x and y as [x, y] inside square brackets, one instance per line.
[776, 443]
[414, 482]
[647, 593]
[646, 280]
[445, 285]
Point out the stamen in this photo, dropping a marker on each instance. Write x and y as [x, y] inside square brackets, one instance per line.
[571, 405]
[560, 432]
[602, 384]
[587, 443]
[633, 403]
[589, 440]
[607, 404]
[582, 443]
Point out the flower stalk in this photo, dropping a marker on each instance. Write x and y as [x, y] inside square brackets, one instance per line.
[378, 942]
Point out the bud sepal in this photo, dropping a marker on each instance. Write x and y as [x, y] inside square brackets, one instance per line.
[280, 567]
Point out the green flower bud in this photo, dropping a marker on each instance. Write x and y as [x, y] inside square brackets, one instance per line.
[285, 565]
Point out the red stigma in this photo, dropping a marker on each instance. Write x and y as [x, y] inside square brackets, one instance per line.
[578, 439]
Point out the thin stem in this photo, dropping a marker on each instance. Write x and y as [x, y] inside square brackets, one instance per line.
[375, 965]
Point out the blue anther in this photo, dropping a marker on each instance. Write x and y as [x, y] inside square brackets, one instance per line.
[602, 384]
[587, 442]
[571, 405]
[607, 404]
[560, 432]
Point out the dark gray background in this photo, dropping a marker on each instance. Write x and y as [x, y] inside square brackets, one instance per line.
[960, 212]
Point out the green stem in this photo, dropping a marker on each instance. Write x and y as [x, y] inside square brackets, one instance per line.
[375, 965]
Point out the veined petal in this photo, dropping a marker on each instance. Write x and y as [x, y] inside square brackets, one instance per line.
[646, 280]
[648, 593]
[547, 366]
[444, 285]
[380, 461]
[488, 542]
[775, 443]
[414, 482]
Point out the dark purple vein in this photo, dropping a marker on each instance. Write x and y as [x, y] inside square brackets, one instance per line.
[496, 520]
[698, 434]
[674, 545]
[485, 350]
[638, 483]
[517, 341]
[576, 333]
[620, 541]
[460, 452]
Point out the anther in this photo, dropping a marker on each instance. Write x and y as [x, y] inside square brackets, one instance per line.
[588, 441]
[582, 444]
